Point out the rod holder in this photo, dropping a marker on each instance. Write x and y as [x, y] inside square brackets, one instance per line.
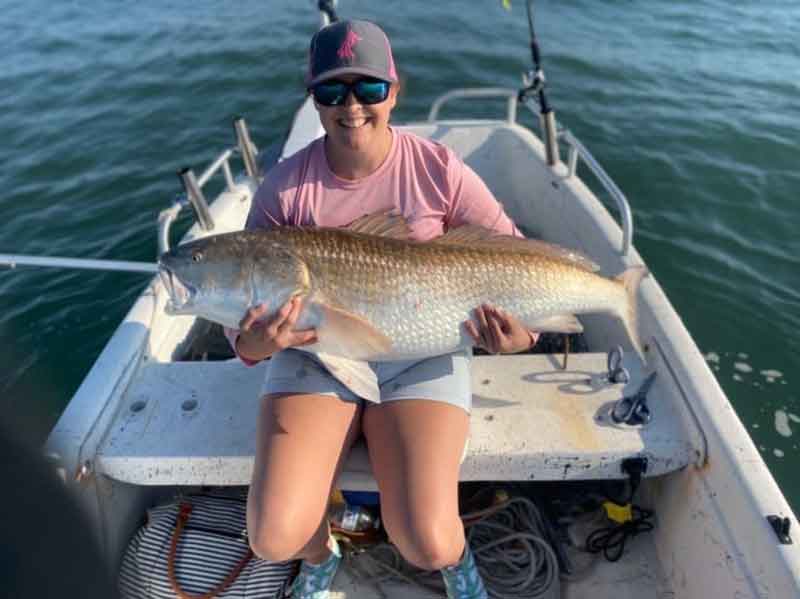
[327, 12]
[246, 147]
[547, 121]
[196, 198]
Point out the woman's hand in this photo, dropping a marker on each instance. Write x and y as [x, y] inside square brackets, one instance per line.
[498, 332]
[260, 339]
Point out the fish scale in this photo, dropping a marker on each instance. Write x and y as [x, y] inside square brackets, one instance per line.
[383, 298]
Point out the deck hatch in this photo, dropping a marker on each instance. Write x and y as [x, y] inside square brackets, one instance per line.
[530, 421]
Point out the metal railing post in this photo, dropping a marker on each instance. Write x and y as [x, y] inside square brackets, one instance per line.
[165, 219]
[572, 160]
[548, 124]
[196, 198]
[246, 148]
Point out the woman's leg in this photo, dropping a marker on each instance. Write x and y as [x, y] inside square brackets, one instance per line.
[302, 442]
[415, 448]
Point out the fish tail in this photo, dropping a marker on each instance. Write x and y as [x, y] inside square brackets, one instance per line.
[630, 280]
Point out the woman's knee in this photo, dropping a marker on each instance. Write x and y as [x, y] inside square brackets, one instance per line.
[279, 543]
[277, 535]
[430, 544]
[293, 470]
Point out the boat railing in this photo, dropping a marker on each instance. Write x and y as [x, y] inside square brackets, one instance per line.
[576, 150]
[477, 92]
[193, 186]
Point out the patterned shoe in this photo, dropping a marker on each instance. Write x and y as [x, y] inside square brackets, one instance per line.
[314, 580]
[463, 581]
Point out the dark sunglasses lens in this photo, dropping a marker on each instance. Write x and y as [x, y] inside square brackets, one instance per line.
[330, 94]
[371, 91]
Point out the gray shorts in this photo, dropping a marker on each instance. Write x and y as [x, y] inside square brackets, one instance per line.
[441, 378]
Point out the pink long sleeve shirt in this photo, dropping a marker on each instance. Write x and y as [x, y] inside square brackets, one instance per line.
[422, 180]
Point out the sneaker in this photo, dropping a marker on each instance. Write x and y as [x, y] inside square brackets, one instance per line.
[463, 581]
[314, 580]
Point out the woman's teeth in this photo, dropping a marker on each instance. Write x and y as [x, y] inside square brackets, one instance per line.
[352, 123]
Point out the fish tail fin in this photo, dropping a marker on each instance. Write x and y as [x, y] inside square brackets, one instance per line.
[630, 280]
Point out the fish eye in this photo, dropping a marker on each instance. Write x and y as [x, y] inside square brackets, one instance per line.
[197, 256]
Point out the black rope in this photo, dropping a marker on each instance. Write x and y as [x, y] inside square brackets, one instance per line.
[611, 540]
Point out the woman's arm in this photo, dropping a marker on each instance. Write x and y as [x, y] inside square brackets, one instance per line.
[256, 339]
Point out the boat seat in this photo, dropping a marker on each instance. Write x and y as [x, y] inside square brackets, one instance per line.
[193, 423]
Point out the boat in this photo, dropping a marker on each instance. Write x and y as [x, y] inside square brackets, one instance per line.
[167, 410]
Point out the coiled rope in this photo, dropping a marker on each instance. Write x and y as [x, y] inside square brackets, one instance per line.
[508, 541]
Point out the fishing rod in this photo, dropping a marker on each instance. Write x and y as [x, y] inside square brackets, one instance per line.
[535, 83]
[14, 260]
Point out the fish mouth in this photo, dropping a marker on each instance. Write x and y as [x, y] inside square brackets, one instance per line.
[181, 295]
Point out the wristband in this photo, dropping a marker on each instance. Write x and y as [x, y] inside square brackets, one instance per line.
[245, 361]
[534, 337]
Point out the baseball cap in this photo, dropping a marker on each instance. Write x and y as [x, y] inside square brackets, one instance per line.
[350, 47]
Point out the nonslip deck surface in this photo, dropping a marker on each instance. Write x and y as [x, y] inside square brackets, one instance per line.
[186, 423]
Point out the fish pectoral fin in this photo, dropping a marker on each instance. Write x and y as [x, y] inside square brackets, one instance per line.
[347, 334]
[563, 323]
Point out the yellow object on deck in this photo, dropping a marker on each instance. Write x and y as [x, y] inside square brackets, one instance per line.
[618, 513]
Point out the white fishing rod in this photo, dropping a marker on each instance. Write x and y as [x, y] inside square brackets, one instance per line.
[14, 260]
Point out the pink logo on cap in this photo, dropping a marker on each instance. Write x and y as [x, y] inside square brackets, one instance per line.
[349, 43]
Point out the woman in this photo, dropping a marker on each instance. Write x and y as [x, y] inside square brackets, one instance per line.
[414, 415]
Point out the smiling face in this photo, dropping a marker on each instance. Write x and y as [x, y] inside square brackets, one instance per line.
[355, 128]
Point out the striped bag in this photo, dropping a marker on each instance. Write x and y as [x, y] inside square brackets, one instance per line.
[196, 548]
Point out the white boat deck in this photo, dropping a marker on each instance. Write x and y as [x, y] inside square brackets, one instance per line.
[193, 423]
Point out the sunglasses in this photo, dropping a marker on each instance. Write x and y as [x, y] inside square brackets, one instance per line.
[367, 91]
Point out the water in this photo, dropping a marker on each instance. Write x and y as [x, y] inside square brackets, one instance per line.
[692, 107]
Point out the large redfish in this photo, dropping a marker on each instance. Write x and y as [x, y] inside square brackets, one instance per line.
[372, 294]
